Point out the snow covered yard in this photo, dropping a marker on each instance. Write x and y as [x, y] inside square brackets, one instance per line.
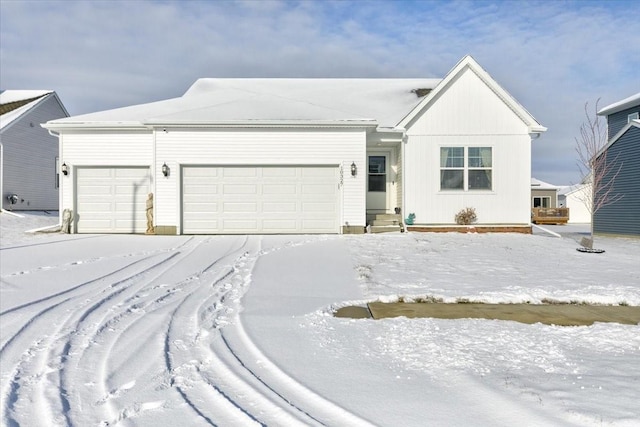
[237, 330]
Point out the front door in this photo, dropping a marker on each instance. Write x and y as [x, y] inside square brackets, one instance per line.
[378, 188]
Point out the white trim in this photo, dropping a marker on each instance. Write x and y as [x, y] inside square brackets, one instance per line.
[469, 62]
[633, 123]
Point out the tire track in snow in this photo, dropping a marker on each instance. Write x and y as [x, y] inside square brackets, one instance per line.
[276, 400]
[39, 371]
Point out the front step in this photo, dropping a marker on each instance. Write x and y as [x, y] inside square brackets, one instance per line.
[386, 223]
[384, 228]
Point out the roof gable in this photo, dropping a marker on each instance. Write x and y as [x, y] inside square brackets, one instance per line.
[16, 103]
[631, 124]
[469, 63]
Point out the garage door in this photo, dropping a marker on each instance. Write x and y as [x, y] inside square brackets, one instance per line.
[112, 200]
[260, 200]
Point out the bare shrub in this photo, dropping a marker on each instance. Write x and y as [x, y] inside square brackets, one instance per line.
[466, 216]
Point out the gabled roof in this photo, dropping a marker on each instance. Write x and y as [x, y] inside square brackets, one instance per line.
[536, 184]
[469, 63]
[209, 101]
[631, 124]
[629, 102]
[15, 103]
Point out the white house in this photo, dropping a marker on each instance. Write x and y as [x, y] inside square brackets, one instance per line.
[29, 169]
[578, 199]
[303, 156]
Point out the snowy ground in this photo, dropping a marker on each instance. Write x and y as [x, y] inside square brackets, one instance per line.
[236, 330]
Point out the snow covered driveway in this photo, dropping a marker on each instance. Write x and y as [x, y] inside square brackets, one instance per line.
[101, 329]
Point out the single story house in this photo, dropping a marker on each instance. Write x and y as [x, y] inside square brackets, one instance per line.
[29, 166]
[578, 199]
[622, 153]
[256, 156]
[543, 194]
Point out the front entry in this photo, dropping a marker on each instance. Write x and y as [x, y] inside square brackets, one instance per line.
[378, 183]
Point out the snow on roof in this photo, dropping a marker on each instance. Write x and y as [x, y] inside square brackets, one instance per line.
[10, 96]
[536, 184]
[237, 100]
[568, 189]
[629, 102]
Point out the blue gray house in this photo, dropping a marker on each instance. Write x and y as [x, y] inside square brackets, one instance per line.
[29, 158]
[623, 148]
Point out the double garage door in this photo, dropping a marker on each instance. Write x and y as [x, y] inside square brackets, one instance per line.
[260, 199]
[112, 200]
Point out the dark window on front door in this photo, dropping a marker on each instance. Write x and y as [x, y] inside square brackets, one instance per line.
[377, 173]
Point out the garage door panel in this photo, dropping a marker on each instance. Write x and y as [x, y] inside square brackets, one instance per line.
[240, 207]
[287, 189]
[235, 172]
[112, 200]
[276, 208]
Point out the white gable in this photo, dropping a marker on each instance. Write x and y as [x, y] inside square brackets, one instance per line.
[467, 80]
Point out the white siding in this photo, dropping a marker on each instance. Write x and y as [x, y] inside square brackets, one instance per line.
[265, 147]
[101, 148]
[29, 156]
[468, 113]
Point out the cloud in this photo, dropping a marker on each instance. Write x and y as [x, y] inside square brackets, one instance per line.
[551, 56]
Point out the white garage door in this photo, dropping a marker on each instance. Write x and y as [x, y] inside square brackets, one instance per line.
[260, 200]
[112, 200]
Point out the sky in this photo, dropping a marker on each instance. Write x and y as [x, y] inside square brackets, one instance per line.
[552, 56]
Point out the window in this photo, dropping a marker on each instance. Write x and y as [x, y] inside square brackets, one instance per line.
[541, 202]
[377, 174]
[465, 168]
[633, 116]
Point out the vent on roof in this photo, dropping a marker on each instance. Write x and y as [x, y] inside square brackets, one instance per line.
[420, 92]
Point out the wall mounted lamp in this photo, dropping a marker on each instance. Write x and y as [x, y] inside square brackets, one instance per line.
[354, 169]
[165, 170]
[65, 169]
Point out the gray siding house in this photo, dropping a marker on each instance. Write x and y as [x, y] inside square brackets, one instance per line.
[623, 148]
[28, 153]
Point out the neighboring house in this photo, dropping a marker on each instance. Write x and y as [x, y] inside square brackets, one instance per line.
[623, 154]
[303, 156]
[29, 174]
[543, 194]
[577, 198]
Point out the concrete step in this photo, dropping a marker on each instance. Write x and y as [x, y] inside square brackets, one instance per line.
[385, 228]
[388, 217]
[386, 222]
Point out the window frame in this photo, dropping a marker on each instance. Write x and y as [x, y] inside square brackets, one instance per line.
[452, 164]
[633, 116]
[541, 205]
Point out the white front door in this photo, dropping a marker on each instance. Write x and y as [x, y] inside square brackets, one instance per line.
[378, 182]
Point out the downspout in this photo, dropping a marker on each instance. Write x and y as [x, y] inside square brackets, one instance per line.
[403, 141]
[60, 188]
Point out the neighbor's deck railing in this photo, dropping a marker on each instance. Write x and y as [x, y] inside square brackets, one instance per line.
[549, 215]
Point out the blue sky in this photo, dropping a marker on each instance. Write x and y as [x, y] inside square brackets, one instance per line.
[552, 56]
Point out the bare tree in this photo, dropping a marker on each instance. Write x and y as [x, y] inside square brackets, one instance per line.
[597, 170]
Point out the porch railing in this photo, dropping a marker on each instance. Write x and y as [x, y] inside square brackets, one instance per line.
[550, 215]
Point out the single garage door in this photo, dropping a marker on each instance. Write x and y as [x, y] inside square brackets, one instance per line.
[112, 200]
[260, 200]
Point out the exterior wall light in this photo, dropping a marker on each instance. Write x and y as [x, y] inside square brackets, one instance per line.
[165, 170]
[354, 169]
[65, 169]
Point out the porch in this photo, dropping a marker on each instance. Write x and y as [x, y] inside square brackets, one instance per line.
[549, 215]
